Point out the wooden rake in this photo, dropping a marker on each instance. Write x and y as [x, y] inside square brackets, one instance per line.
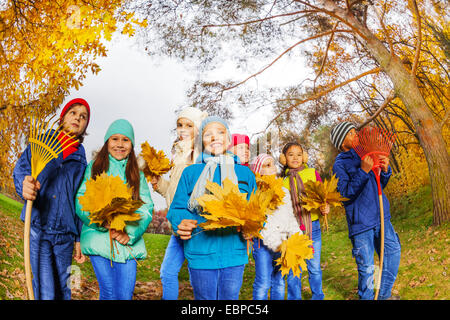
[373, 141]
[45, 147]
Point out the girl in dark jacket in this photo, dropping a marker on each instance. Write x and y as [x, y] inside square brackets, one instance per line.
[55, 228]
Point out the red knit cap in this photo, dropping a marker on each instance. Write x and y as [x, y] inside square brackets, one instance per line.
[71, 103]
[238, 139]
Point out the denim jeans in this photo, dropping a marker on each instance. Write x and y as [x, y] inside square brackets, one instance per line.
[267, 274]
[116, 282]
[217, 284]
[170, 267]
[51, 257]
[364, 245]
[314, 270]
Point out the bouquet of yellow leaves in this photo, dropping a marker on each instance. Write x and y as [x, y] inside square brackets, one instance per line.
[318, 194]
[271, 184]
[228, 207]
[109, 201]
[157, 163]
[294, 252]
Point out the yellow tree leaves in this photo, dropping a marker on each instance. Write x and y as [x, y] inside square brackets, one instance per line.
[46, 49]
[108, 200]
[317, 194]
[273, 185]
[294, 252]
[228, 207]
[157, 163]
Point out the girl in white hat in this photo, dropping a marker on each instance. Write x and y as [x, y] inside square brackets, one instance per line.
[184, 153]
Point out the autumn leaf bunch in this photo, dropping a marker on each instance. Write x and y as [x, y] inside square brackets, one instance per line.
[272, 185]
[157, 163]
[109, 200]
[294, 253]
[228, 207]
[317, 194]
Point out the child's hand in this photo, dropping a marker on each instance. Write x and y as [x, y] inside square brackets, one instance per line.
[30, 187]
[367, 164]
[120, 236]
[78, 256]
[325, 209]
[384, 162]
[185, 228]
[154, 181]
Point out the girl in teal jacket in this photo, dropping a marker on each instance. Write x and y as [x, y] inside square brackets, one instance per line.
[116, 158]
[216, 258]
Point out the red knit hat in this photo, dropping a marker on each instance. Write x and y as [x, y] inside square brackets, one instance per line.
[238, 139]
[71, 103]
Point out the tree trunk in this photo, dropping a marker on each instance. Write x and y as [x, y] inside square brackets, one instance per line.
[428, 130]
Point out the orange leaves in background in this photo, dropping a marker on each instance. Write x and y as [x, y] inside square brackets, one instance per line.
[228, 207]
[157, 163]
[294, 252]
[47, 48]
[108, 200]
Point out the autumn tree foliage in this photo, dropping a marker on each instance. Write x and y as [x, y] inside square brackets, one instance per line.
[380, 61]
[46, 50]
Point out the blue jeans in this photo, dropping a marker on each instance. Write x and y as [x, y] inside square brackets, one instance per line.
[314, 270]
[363, 251]
[116, 283]
[170, 267]
[267, 274]
[51, 257]
[217, 284]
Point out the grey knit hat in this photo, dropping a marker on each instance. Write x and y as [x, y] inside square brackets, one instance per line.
[338, 133]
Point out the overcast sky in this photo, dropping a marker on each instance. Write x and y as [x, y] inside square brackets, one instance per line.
[134, 86]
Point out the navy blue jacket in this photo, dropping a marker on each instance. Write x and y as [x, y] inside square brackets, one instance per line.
[54, 207]
[362, 210]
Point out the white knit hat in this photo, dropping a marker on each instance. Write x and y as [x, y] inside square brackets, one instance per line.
[194, 114]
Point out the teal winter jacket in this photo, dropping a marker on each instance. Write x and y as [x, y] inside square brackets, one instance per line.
[95, 238]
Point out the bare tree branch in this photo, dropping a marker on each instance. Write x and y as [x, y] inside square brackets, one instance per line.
[381, 108]
[283, 53]
[419, 38]
[321, 94]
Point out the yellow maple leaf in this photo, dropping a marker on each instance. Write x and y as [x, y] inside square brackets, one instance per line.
[317, 194]
[294, 253]
[227, 207]
[157, 163]
[109, 200]
[270, 183]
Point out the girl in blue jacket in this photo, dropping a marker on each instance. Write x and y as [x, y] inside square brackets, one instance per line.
[357, 183]
[55, 228]
[216, 259]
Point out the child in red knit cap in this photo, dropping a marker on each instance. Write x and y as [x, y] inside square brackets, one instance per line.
[55, 228]
[240, 146]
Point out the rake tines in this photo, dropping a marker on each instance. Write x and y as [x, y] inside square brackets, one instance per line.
[45, 144]
[374, 141]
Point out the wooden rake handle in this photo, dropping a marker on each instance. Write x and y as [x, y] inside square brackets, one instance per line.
[380, 200]
[26, 246]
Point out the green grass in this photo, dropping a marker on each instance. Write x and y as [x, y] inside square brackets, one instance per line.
[423, 272]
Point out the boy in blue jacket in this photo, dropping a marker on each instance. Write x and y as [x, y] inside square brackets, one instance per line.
[216, 258]
[55, 228]
[357, 183]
